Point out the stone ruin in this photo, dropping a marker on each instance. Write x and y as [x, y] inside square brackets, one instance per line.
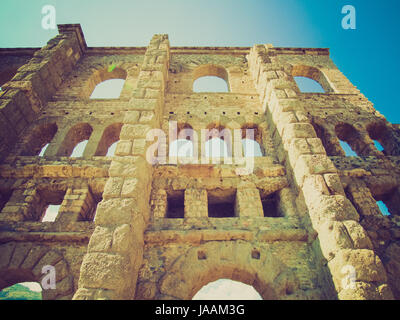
[303, 224]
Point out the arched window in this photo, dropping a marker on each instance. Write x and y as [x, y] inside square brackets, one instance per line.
[111, 149]
[384, 139]
[225, 289]
[22, 291]
[79, 149]
[109, 138]
[210, 78]
[75, 141]
[39, 139]
[251, 148]
[107, 83]
[216, 148]
[307, 85]
[310, 79]
[181, 148]
[109, 89]
[349, 140]
[251, 140]
[348, 151]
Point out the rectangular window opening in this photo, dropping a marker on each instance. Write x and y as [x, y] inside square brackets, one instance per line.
[175, 205]
[48, 205]
[221, 203]
[270, 204]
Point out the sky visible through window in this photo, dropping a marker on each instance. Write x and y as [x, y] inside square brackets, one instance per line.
[307, 85]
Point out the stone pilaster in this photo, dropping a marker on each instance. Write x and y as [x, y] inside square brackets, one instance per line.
[343, 241]
[115, 252]
[248, 203]
[196, 203]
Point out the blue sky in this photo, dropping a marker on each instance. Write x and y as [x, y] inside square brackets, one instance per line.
[367, 55]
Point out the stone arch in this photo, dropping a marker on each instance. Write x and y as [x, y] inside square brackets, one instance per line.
[103, 74]
[41, 135]
[349, 134]
[75, 135]
[186, 138]
[110, 136]
[211, 70]
[380, 132]
[314, 74]
[23, 262]
[238, 261]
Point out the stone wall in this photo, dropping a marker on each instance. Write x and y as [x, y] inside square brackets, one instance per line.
[292, 226]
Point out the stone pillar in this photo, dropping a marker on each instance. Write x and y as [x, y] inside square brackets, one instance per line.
[93, 142]
[344, 243]
[115, 252]
[196, 204]
[248, 203]
[159, 203]
[35, 83]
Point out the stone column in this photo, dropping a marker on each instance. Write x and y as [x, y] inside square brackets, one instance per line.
[344, 243]
[110, 268]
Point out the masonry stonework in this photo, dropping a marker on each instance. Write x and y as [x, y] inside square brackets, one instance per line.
[302, 224]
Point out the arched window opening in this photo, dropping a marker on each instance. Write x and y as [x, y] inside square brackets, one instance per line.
[226, 289]
[388, 202]
[347, 149]
[107, 83]
[22, 291]
[216, 148]
[210, 84]
[383, 208]
[75, 141]
[39, 140]
[350, 140]
[251, 141]
[218, 142]
[42, 152]
[384, 139]
[111, 149]
[251, 148]
[109, 89]
[310, 79]
[307, 85]
[79, 149]
[109, 138]
[210, 78]
[183, 146]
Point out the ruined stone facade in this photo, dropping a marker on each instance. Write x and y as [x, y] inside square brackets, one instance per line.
[294, 228]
